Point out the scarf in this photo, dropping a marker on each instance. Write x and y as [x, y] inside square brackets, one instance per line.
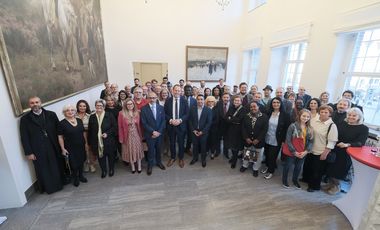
[100, 138]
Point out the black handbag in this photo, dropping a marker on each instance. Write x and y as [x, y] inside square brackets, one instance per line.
[331, 157]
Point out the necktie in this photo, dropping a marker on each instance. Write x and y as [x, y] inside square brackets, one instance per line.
[176, 109]
[154, 111]
[225, 109]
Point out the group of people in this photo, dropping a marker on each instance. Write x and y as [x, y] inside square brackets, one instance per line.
[147, 121]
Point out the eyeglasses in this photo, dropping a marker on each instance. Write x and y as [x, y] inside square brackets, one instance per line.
[129, 103]
[137, 92]
[152, 97]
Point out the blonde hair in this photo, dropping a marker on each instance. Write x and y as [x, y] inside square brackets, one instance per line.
[210, 98]
[125, 107]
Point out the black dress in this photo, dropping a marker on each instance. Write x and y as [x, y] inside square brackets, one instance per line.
[356, 135]
[74, 142]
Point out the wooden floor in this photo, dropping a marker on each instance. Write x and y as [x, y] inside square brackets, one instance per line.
[215, 197]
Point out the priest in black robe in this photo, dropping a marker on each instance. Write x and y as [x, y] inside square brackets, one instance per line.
[38, 130]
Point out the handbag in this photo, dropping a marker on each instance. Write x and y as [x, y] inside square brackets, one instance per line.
[297, 143]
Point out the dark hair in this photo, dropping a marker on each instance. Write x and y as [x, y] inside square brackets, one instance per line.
[120, 92]
[164, 78]
[136, 79]
[271, 106]
[187, 86]
[88, 110]
[205, 91]
[307, 106]
[213, 91]
[243, 83]
[200, 95]
[350, 92]
[181, 80]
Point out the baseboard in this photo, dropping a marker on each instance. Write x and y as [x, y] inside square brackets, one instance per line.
[31, 190]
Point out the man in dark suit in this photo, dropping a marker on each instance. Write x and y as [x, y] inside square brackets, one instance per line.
[153, 121]
[200, 120]
[190, 102]
[302, 95]
[176, 112]
[38, 129]
[222, 109]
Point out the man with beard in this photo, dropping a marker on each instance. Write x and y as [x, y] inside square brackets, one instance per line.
[340, 113]
[254, 129]
[38, 130]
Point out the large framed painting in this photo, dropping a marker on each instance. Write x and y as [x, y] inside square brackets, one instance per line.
[206, 63]
[50, 48]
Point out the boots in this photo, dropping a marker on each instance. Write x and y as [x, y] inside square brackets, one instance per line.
[335, 188]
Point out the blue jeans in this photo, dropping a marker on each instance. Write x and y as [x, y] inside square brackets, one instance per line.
[297, 168]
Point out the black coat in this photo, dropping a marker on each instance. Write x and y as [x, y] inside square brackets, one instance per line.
[222, 123]
[42, 141]
[234, 134]
[258, 132]
[109, 127]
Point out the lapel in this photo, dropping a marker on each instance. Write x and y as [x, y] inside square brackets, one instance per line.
[33, 119]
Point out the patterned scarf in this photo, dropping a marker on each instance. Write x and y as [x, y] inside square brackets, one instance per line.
[100, 138]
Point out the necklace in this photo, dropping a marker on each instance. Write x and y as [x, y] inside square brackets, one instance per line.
[73, 122]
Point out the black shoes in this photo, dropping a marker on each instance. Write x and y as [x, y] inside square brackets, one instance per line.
[233, 165]
[149, 171]
[112, 172]
[203, 164]
[76, 182]
[104, 174]
[138, 171]
[193, 162]
[161, 166]
[255, 173]
[212, 156]
[297, 185]
[82, 179]
[133, 171]
[242, 169]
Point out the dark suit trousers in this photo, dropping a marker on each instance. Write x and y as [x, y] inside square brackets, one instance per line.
[176, 136]
[271, 154]
[103, 161]
[315, 171]
[154, 150]
[199, 146]
[188, 138]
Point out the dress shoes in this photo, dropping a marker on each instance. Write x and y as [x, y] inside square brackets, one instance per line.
[161, 166]
[242, 169]
[133, 171]
[104, 174]
[139, 171]
[233, 165]
[170, 162]
[181, 163]
[212, 156]
[203, 164]
[76, 182]
[255, 173]
[112, 172]
[82, 179]
[193, 161]
[149, 171]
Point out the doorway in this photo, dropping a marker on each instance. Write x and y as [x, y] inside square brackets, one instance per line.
[146, 71]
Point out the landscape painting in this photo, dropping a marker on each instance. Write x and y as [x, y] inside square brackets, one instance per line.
[206, 63]
[50, 48]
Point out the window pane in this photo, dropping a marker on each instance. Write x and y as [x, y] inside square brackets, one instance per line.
[369, 65]
[376, 35]
[367, 35]
[358, 64]
[303, 51]
[374, 49]
[363, 49]
[378, 66]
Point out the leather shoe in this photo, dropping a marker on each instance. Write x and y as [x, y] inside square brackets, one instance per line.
[139, 171]
[181, 163]
[112, 172]
[104, 174]
[193, 161]
[203, 164]
[170, 162]
[149, 171]
[82, 179]
[161, 166]
[242, 169]
[76, 182]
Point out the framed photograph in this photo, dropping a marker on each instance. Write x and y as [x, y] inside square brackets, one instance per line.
[206, 63]
[50, 49]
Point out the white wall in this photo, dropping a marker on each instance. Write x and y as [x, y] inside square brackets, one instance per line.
[277, 15]
[160, 30]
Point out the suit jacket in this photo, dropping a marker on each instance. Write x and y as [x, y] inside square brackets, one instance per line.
[204, 122]
[223, 124]
[109, 127]
[149, 123]
[288, 107]
[305, 98]
[183, 113]
[31, 132]
[193, 102]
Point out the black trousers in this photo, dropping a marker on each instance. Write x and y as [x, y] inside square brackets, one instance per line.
[103, 161]
[271, 155]
[199, 146]
[314, 171]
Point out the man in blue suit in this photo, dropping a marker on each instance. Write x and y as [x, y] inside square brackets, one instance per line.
[190, 102]
[200, 121]
[176, 112]
[153, 121]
